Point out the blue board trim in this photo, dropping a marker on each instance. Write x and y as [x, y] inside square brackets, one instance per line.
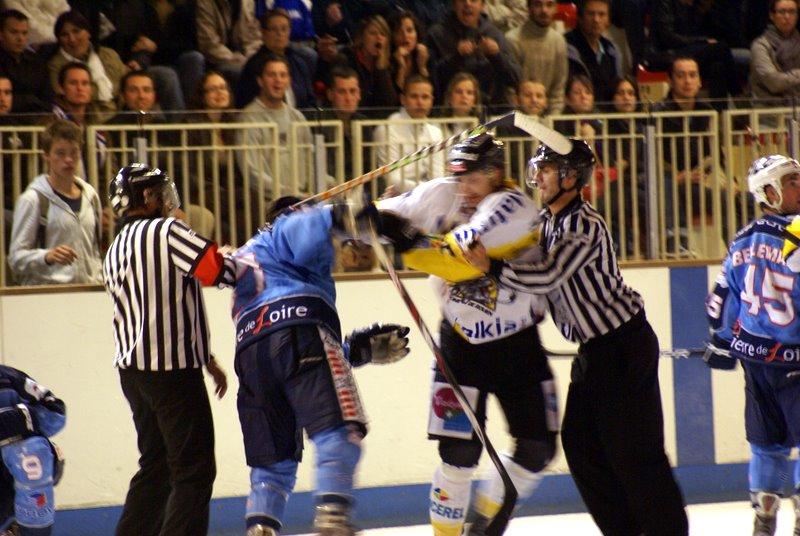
[694, 415]
[407, 505]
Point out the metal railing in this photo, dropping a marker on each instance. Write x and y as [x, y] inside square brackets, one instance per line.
[670, 185]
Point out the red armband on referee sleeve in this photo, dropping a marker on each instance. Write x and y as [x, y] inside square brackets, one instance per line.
[209, 268]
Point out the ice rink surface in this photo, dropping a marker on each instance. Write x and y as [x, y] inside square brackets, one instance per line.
[730, 519]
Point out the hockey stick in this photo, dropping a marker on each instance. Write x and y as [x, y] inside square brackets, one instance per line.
[555, 140]
[499, 522]
[674, 352]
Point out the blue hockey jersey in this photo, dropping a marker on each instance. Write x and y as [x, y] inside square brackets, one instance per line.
[753, 308]
[283, 276]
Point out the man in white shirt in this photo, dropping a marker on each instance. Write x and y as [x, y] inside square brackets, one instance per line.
[407, 132]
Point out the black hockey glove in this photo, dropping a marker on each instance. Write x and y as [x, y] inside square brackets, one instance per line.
[397, 229]
[379, 343]
[718, 358]
[16, 422]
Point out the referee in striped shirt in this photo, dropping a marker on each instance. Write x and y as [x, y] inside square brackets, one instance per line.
[613, 429]
[153, 271]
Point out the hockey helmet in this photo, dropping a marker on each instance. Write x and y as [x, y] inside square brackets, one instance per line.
[580, 158]
[478, 152]
[768, 171]
[126, 190]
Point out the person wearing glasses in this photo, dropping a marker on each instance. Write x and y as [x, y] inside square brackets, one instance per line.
[775, 60]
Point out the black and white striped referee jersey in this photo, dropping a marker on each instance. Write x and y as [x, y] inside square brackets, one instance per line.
[579, 275]
[153, 272]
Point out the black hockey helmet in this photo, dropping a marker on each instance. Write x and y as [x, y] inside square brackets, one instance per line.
[580, 158]
[477, 152]
[126, 190]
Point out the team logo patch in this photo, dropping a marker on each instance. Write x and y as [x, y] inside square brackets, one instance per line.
[39, 499]
[440, 495]
[447, 408]
[478, 293]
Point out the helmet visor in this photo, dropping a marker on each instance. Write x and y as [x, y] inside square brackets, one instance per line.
[169, 196]
[537, 168]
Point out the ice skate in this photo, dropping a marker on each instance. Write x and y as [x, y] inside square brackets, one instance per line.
[766, 509]
[333, 519]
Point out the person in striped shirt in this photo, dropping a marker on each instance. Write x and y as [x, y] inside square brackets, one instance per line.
[153, 272]
[613, 427]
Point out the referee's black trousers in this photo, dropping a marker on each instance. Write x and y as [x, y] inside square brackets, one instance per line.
[613, 435]
[170, 494]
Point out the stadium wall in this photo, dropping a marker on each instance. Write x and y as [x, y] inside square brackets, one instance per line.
[64, 340]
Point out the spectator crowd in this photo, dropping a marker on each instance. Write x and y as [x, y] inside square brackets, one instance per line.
[120, 62]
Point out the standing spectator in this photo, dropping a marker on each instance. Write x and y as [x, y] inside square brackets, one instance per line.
[506, 14]
[275, 25]
[56, 234]
[26, 70]
[680, 27]
[152, 272]
[409, 55]
[541, 51]
[775, 65]
[105, 65]
[42, 15]
[258, 164]
[467, 41]
[214, 172]
[403, 136]
[227, 34]
[137, 39]
[591, 53]
[370, 57]
[344, 95]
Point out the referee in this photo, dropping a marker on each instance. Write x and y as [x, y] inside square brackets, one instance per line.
[612, 432]
[153, 272]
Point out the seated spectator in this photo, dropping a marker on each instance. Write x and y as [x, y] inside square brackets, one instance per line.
[275, 26]
[41, 16]
[689, 162]
[467, 41]
[590, 53]
[506, 14]
[74, 103]
[258, 163]
[580, 100]
[8, 142]
[541, 51]
[26, 70]
[301, 18]
[429, 12]
[410, 56]
[403, 136]
[333, 23]
[462, 103]
[532, 98]
[679, 29]
[105, 65]
[56, 233]
[215, 181]
[344, 96]
[227, 34]
[137, 38]
[369, 56]
[775, 65]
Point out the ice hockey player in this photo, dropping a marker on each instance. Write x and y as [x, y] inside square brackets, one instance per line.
[488, 334]
[294, 370]
[752, 312]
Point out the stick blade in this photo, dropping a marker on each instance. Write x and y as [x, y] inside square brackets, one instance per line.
[553, 139]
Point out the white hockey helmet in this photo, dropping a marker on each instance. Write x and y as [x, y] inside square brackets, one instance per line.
[768, 171]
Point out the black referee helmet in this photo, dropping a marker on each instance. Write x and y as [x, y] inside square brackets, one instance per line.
[126, 190]
[475, 153]
[580, 158]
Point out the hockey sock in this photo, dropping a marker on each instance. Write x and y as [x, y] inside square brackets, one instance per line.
[769, 467]
[338, 452]
[490, 493]
[270, 488]
[450, 491]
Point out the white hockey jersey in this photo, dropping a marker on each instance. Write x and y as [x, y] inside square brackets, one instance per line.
[506, 221]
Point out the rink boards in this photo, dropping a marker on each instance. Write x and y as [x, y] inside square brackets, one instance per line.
[64, 340]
